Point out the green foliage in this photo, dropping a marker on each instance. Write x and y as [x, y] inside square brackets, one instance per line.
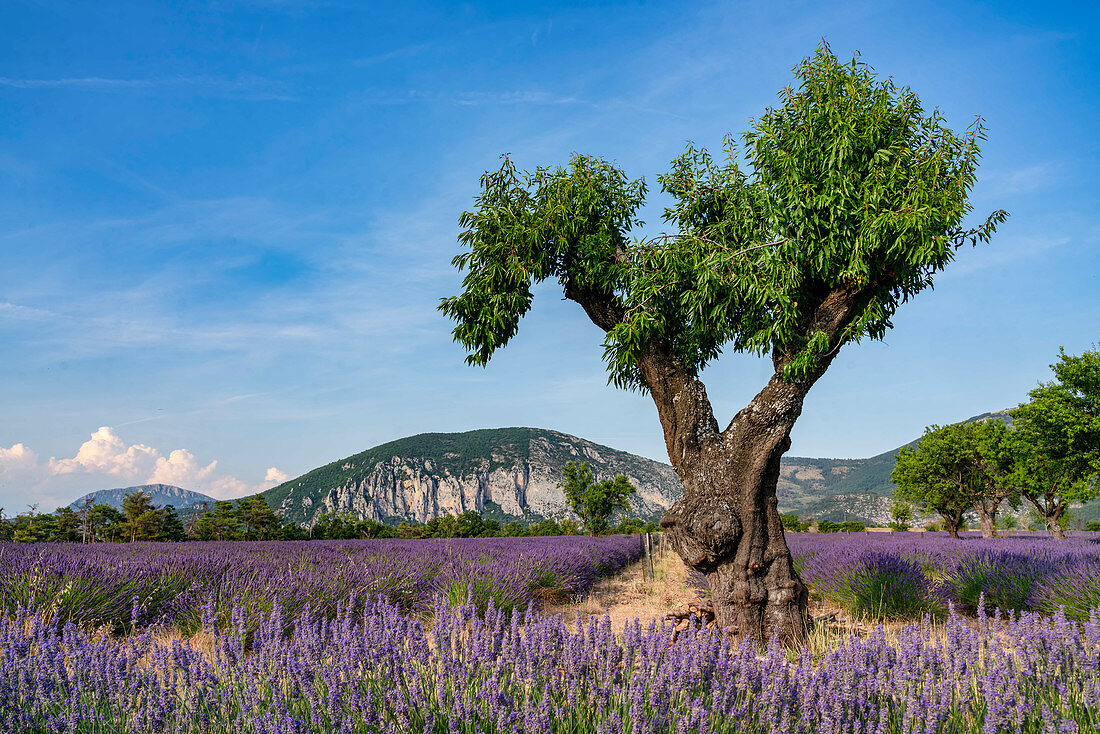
[849, 187]
[143, 519]
[594, 501]
[1093, 526]
[171, 527]
[635, 526]
[956, 467]
[828, 526]
[852, 526]
[219, 523]
[345, 527]
[901, 514]
[1056, 440]
[544, 528]
[792, 524]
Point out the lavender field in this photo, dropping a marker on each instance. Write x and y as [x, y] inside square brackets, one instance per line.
[132, 585]
[906, 575]
[392, 636]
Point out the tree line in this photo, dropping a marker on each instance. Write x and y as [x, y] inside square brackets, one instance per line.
[252, 518]
[1048, 457]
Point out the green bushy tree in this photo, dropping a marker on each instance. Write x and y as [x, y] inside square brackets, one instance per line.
[839, 204]
[1056, 439]
[593, 501]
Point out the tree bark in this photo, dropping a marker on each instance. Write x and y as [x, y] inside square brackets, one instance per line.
[727, 524]
[987, 516]
[952, 522]
[1051, 510]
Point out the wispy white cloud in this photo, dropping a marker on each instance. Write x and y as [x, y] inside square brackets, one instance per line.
[1021, 180]
[248, 87]
[398, 53]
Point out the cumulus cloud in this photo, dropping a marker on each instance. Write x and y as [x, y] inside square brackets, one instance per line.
[106, 453]
[107, 460]
[229, 487]
[181, 469]
[21, 458]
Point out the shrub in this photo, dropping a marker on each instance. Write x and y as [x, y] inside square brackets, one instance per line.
[852, 526]
[1076, 587]
[1007, 579]
[872, 583]
[828, 526]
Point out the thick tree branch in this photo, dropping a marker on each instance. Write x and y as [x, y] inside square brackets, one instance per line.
[687, 417]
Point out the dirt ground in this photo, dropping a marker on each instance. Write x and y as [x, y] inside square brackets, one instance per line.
[632, 594]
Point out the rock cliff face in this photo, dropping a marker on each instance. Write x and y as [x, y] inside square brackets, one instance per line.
[512, 473]
[508, 473]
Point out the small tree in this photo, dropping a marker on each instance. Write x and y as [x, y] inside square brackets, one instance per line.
[901, 514]
[792, 523]
[594, 501]
[1056, 441]
[219, 523]
[171, 527]
[956, 468]
[258, 520]
[142, 517]
[939, 475]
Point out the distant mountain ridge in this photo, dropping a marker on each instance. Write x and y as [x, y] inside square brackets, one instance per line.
[161, 494]
[841, 489]
[512, 473]
[504, 473]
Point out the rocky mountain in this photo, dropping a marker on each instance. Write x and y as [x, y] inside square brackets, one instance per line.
[512, 473]
[504, 473]
[162, 494]
[846, 489]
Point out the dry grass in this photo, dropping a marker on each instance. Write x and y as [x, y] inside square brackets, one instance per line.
[631, 594]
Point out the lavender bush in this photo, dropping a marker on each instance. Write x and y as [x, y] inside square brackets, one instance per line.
[1074, 588]
[871, 583]
[381, 670]
[899, 575]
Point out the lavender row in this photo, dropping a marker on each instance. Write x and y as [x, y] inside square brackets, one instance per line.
[907, 575]
[381, 670]
[121, 585]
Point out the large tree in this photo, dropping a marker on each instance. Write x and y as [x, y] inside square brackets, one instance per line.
[839, 204]
[1056, 439]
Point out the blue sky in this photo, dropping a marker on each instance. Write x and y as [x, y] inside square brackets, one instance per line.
[225, 226]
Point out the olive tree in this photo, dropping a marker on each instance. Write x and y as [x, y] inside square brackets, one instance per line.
[836, 206]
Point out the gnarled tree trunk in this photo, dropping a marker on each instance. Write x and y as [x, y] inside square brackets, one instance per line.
[727, 524]
[1051, 509]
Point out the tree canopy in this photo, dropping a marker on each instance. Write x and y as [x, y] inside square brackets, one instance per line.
[806, 233]
[594, 501]
[956, 468]
[847, 190]
[1056, 440]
